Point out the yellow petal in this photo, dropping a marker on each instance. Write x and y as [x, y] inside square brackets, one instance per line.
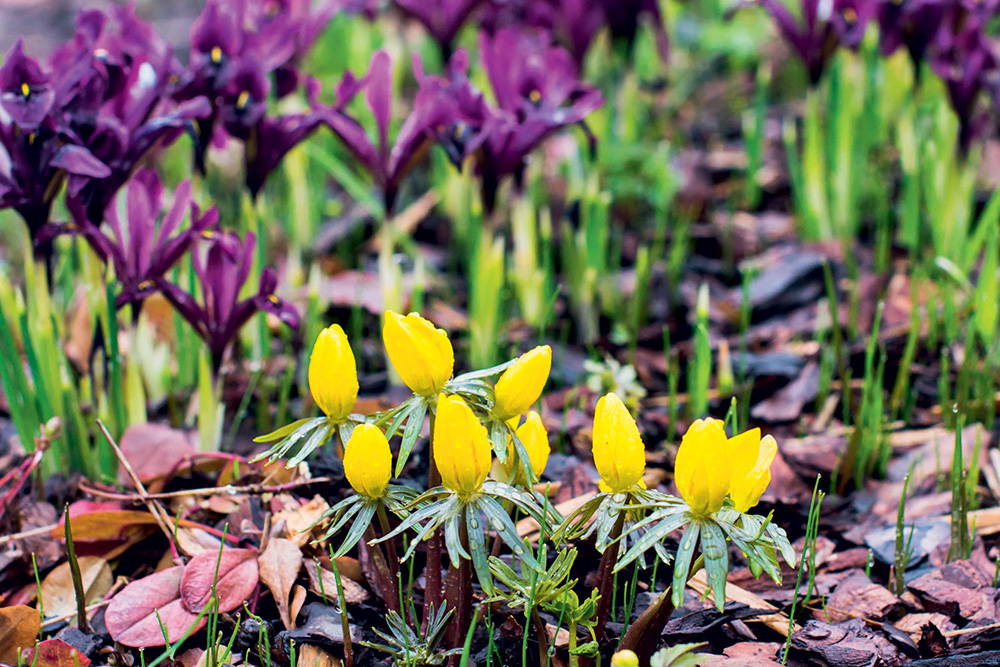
[522, 383]
[461, 446]
[702, 470]
[535, 439]
[420, 352]
[746, 489]
[368, 461]
[619, 454]
[333, 376]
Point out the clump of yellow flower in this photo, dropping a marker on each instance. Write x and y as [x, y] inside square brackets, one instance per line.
[522, 383]
[420, 352]
[333, 375]
[461, 446]
[619, 454]
[710, 466]
[625, 658]
[535, 439]
[368, 461]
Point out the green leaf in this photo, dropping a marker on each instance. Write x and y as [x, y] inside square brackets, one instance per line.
[682, 562]
[501, 523]
[282, 432]
[358, 528]
[477, 545]
[398, 415]
[486, 372]
[453, 540]
[652, 537]
[414, 422]
[319, 436]
[677, 656]
[713, 546]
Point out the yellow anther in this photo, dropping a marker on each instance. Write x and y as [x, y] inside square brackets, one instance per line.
[216, 55]
[535, 95]
[241, 101]
[25, 90]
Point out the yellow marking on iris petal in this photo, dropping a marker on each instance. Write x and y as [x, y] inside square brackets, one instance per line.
[25, 90]
[31, 138]
[216, 55]
[207, 234]
[146, 284]
[535, 95]
[850, 15]
[241, 101]
[275, 300]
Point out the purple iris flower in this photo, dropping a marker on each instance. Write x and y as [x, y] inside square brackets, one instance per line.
[222, 270]
[825, 25]
[238, 47]
[302, 20]
[35, 155]
[146, 246]
[913, 24]
[538, 93]
[964, 57]
[387, 162]
[26, 94]
[443, 19]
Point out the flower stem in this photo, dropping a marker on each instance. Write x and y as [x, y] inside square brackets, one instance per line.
[605, 574]
[432, 590]
[460, 591]
[385, 580]
[390, 548]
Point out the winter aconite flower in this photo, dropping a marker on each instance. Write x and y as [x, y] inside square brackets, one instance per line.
[625, 658]
[748, 483]
[703, 469]
[420, 352]
[619, 454]
[333, 375]
[521, 384]
[367, 459]
[461, 446]
[535, 439]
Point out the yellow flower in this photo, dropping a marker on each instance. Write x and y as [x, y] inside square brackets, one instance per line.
[619, 455]
[368, 461]
[522, 383]
[625, 658]
[420, 352]
[461, 446]
[333, 376]
[533, 436]
[706, 462]
[750, 482]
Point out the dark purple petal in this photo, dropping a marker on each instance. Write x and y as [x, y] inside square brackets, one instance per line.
[78, 161]
[25, 93]
[379, 96]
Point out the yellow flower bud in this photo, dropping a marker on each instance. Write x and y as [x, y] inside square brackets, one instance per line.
[461, 446]
[535, 439]
[625, 658]
[522, 383]
[420, 352]
[749, 483]
[705, 463]
[368, 461]
[619, 455]
[333, 376]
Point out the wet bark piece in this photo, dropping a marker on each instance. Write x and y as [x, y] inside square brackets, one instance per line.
[857, 595]
[851, 644]
[982, 659]
[957, 589]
